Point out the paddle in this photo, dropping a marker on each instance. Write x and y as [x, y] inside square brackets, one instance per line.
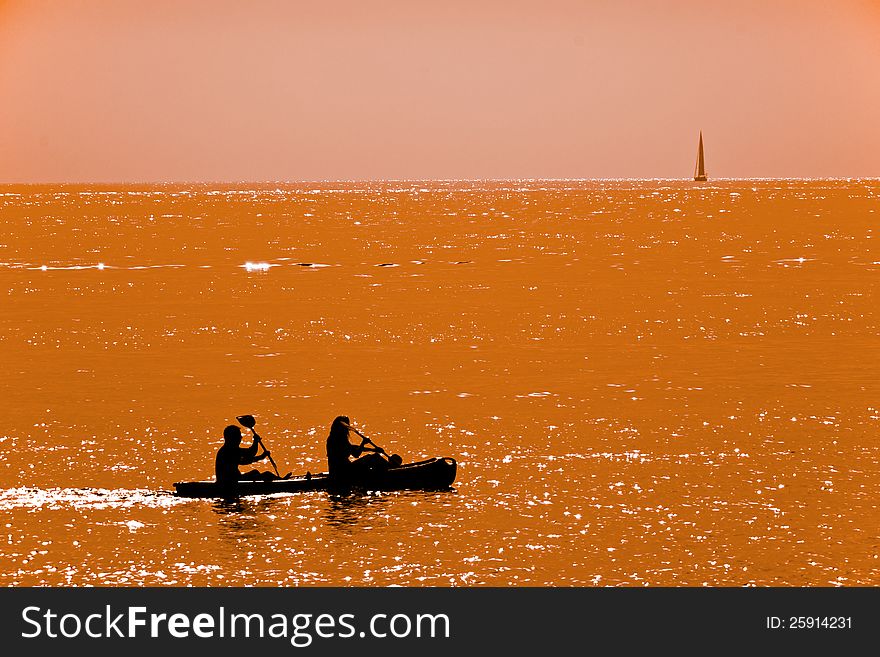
[395, 459]
[248, 421]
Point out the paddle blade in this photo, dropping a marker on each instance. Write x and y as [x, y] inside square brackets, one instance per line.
[247, 421]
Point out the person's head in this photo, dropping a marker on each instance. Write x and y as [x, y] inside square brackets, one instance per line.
[340, 426]
[232, 435]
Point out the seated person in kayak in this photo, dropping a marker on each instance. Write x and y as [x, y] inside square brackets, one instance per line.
[231, 455]
[340, 451]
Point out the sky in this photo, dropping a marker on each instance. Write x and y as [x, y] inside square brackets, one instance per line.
[198, 90]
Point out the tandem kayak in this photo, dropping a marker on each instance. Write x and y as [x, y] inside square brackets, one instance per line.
[430, 474]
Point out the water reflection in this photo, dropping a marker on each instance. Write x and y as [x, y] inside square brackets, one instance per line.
[244, 517]
[354, 510]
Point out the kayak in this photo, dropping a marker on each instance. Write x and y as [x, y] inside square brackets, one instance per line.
[430, 474]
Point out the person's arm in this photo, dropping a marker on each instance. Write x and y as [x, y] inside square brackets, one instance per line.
[248, 455]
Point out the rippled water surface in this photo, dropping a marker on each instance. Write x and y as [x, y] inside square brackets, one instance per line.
[644, 383]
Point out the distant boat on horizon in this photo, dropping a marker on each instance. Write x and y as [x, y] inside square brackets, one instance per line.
[700, 168]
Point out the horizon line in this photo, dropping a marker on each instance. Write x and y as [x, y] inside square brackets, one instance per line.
[430, 180]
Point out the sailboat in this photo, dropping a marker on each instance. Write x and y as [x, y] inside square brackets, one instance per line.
[700, 169]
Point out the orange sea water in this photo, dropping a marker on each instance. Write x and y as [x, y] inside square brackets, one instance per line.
[644, 382]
